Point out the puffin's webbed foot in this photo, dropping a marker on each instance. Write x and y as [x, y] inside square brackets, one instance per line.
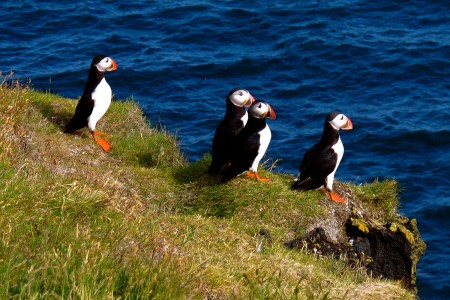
[336, 198]
[102, 142]
[100, 133]
[256, 175]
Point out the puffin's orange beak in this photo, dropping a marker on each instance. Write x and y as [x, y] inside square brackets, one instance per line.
[250, 101]
[349, 125]
[271, 114]
[113, 65]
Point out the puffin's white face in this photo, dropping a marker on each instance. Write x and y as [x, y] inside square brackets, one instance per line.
[106, 64]
[262, 110]
[241, 98]
[341, 121]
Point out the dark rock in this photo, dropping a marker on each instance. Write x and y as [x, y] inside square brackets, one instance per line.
[394, 249]
[316, 241]
[389, 251]
[265, 233]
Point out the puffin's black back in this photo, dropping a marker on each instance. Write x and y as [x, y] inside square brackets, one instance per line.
[225, 135]
[86, 104]
[246, 148]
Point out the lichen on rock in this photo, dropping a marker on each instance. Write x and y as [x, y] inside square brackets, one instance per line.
[360, 224]
[389, 249]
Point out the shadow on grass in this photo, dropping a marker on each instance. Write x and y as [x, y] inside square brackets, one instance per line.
[208, 194]
[197, 173]
[55, 112]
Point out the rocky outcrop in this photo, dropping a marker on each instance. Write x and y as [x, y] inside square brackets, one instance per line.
[387, 250]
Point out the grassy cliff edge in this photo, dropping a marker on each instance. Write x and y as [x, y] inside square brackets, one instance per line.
[142, 221]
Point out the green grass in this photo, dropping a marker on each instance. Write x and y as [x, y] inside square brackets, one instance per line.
[143, 222]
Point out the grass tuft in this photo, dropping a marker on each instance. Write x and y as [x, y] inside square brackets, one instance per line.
[381, 199]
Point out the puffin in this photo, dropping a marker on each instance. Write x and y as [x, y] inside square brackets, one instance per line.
[321, 161]
[95, 100]
[235, 119]
[251, 143]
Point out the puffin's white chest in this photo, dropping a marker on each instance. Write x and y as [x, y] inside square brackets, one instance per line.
[265, 136]
[102, 99]
[244, 119]
[339, 150]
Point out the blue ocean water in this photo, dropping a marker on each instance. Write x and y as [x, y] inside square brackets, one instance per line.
[385, 64]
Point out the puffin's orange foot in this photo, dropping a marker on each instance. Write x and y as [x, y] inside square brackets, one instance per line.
[250, 174]
[104, 144]
[256, 175]
[336, 198]
[100, 133]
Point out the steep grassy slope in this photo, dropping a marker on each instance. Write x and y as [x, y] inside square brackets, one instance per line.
[141, 221]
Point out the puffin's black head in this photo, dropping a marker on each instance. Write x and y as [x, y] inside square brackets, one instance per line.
[103, 63]
[339, 121]
[241, 97]
[261, 109]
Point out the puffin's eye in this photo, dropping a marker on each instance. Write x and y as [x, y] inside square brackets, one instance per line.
[342, 117]
[259, 106]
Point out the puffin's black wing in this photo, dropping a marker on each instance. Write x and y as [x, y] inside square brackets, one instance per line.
[223, 142]
[221, 148]
[243, 155]
[318, 162]
[82, 112]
